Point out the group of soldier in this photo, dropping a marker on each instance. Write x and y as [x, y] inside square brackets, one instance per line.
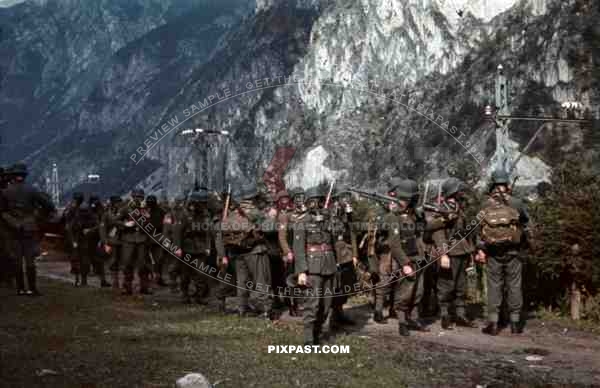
[301, 248]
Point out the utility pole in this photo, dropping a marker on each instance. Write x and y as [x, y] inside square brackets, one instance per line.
[501, 116]
[501, 86]
[54, 185]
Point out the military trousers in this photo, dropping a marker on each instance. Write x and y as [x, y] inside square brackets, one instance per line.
[452, 285]
[90, 257]
[504, 272]
[134, 258]
[115, 262]
[192, 273]
[24, 250]
[405, 291]
[253, 272]
[317, 303]
[344, 280]
[158, 258]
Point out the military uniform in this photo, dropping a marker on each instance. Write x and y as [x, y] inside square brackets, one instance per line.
[172, 223]
[451, 237]
[156, 251]
[503, 261]
[398, 246]
[198, 240]
[134, 242]
[252, 266]
[346, 250]
[86, 234]
[22, 209]
[286, 221]
[315, 257]
[110, 231]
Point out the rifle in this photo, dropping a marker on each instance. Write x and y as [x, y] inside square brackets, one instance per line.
[374, 196]
[227, 200]
[328, 198]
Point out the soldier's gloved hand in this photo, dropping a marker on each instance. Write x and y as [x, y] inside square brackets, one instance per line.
[129, 223]
[445, 262]
[451, 216]
[480, 257]
[289, 258]
[107, 249]
[179, 252]
[408, 270]
[302, 279]
[75, 245]
[224, 261]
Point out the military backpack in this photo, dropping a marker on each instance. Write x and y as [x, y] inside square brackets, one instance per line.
[501, 225]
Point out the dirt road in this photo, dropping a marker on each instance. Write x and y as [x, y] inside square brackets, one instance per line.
[547, 354]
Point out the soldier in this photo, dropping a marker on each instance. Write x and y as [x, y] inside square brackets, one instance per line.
[197, 241]
[157, 215]
[315, 263]
[22, 209]
[399, 255]
[502, 236]
[252, 264]
[6, 265]
[288, 215]
[347, 258]
[453, 248]
[134, 242]
[110, 237]
[72, 250]
[172, 223]
[86, 233]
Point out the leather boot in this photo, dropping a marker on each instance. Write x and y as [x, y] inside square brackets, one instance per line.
[446, 323]
[403, 329]
[490, 329]
[378, 317]
[464, 322]
[114, 276]
[144, 285]
[20, 278]
[32, 281]
[516, 328]
[127, 287]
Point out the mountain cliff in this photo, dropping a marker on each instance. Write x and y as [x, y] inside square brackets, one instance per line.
[363, 90]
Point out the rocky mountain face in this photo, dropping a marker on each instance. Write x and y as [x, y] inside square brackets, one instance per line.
[363, 90]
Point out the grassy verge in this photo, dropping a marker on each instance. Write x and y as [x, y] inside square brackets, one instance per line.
[92, 338]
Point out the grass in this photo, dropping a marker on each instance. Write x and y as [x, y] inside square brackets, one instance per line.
[92, 338]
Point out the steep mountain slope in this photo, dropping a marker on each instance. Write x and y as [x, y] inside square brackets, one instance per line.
[363, 89]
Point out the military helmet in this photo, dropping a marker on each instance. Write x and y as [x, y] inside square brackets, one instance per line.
[18, 169]
[315, 192]
[281, 194]
[115, 199]
[452, 186]
[198, 196]
[78, 196]
[139, 193]
[151, 200]
[499, 177]
[296, 191]
[406, 189]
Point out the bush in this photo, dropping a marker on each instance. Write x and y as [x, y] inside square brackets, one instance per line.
[565, 234]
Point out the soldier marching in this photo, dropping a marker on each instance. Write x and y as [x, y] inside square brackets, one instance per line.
[303, 249]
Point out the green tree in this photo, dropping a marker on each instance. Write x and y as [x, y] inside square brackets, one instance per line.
[565, 235]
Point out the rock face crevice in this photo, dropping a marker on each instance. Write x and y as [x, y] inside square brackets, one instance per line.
[364, 90]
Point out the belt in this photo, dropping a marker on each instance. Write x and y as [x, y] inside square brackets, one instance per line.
[319, 248]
